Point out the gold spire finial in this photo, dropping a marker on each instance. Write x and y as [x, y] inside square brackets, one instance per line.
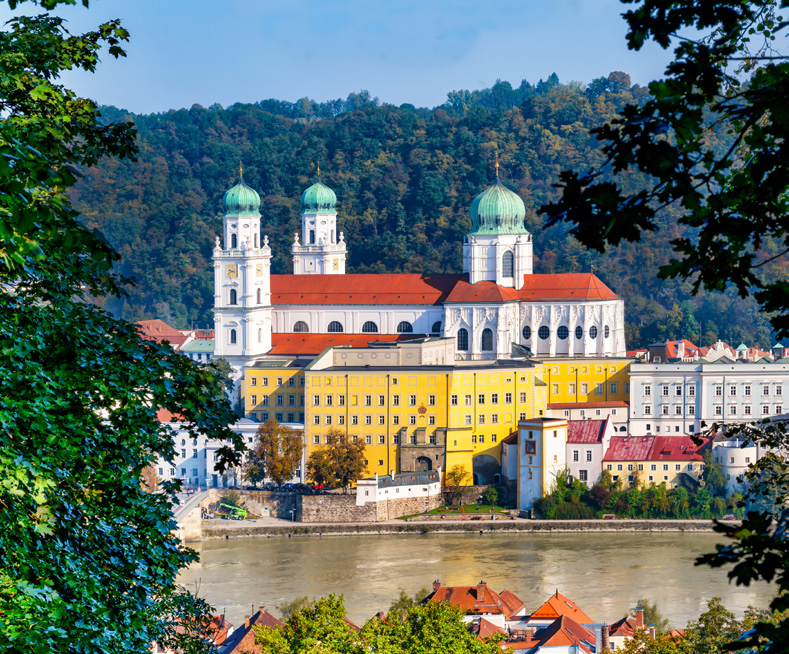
[319, 171]
[497, 165]
[240, 169]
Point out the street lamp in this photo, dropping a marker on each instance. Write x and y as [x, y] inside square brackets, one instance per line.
[292, 511]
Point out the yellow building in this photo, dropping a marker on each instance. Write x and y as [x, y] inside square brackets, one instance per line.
[603, 379]
[274, 388]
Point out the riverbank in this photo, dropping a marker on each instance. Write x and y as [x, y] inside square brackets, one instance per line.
[272, 528]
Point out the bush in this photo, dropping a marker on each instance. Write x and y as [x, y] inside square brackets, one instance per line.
[572, 511]
[490, 496]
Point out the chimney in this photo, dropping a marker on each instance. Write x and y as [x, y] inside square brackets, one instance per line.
[481, 590]
[606, 641]
[680, 349]
[639, 617]
[652, 631]
[246, 622]
[436, 585]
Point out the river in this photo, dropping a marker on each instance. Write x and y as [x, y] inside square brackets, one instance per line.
[605, 573]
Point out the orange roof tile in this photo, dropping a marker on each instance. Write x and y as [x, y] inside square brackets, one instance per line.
[586, 431]
[629, 448]
[304, 344]
[243, 639]
[485, 628]
[557, 606]
[163, 415]
[403, 288]
[160, 332]
[565, 632]
[409, 288]
[477, 600]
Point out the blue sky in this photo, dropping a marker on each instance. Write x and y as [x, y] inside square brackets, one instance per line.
[205, 51]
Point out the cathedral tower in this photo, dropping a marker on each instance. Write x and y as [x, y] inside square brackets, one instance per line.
[499, 247]
[322, 250]
[242, 288]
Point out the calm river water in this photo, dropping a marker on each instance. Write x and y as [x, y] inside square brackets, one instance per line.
[605, 573]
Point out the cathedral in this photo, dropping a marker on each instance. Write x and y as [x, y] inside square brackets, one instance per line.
[497, 308]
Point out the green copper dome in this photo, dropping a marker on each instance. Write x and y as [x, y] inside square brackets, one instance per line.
[498, 210]
[318, 198]
[241, 200]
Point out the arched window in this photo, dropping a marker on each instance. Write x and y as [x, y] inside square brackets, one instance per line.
[404, 327]
[508, 264]
[526, 332]
[436, 328]
[593, 332]
[334, 327]
[232, 337]
[233, 296]
[260, 335]
[233, 241]
[312, 237]
[260, 296]
[563, 332]
[463, 339]
[487, 340]
[301, 327]
[543, 332]
[579, 332]
[332, 236]
[256, 240]
[369, 327]
[606, 331]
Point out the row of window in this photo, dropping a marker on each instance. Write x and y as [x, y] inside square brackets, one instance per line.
[690, 410]
[262, 416]
[486, 342]
[394, 400]
[653, 467]
[253, 381]
[563, 332]
[598, 389]
[279, 400]
[691, 390]
[233, 297]
[369, 327]
[396, 440]
[468, 419]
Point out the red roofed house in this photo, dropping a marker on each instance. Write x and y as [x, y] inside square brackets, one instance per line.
[626, 455]
[565, 636]
[623, 629]
[480, 600]
[242, 640]
[161, 332]
[497, 305]
[587, 442]
[555, 607]
[676, 461]
[617, 410]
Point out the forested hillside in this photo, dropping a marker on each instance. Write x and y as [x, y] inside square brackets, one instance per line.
[404, 177]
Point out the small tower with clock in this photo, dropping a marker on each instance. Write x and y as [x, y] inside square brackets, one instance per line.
[242, 281]
[322, 249]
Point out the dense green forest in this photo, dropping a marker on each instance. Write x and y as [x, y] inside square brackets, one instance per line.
[405, 178]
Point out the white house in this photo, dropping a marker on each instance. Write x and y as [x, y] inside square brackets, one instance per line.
[541, 457]
[587, 442]
[393, 486]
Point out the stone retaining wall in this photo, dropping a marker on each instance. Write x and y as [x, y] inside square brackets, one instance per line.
[343, 508]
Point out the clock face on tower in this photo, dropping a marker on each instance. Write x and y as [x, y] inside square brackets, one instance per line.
[232, 270]
[259, 270]
[335, 264]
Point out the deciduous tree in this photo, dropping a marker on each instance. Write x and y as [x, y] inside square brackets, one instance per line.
[340, 462]
[455, 481]
[276, 453]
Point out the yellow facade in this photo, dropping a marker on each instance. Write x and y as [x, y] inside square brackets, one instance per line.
[654, 472]
[470, 408]
[602, 379]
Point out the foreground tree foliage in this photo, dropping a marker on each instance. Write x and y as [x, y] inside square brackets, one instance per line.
[88, 560]
[432, 628]
[731, 196]
[276, 453]
[339, 463]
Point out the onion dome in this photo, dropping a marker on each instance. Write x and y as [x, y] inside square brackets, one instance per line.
[241, 200]
[318, 198]
[497, 210]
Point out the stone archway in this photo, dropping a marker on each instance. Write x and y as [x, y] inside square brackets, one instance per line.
[485, 469]
[423, 464]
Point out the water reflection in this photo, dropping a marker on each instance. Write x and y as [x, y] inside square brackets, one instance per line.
[605, 573]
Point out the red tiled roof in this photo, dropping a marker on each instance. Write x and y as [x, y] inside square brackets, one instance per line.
[410, 288]
[629, 448]
[163, 415]
[566, 632]
[624, 627]
[477, 600]
[298, 344]
[243, 638]
[671, 348]
[557, 606]
[512, 438]
[485, 628]
[403, 288]
[676, 448]
[586, 431]
[160, 331]
[613, 404]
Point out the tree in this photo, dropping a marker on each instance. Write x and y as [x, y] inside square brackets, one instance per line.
[455, 481]
[288, 609]
[82, 545]
[653, 616]
[340, 461]
[731, 198]
[399, 607]
[713, 476]
[276, 453]
[731, 202]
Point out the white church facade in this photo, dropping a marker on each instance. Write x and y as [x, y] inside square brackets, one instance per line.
[498, 308]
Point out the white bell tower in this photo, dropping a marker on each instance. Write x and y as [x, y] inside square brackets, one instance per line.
[322, 249]
[242, 281]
